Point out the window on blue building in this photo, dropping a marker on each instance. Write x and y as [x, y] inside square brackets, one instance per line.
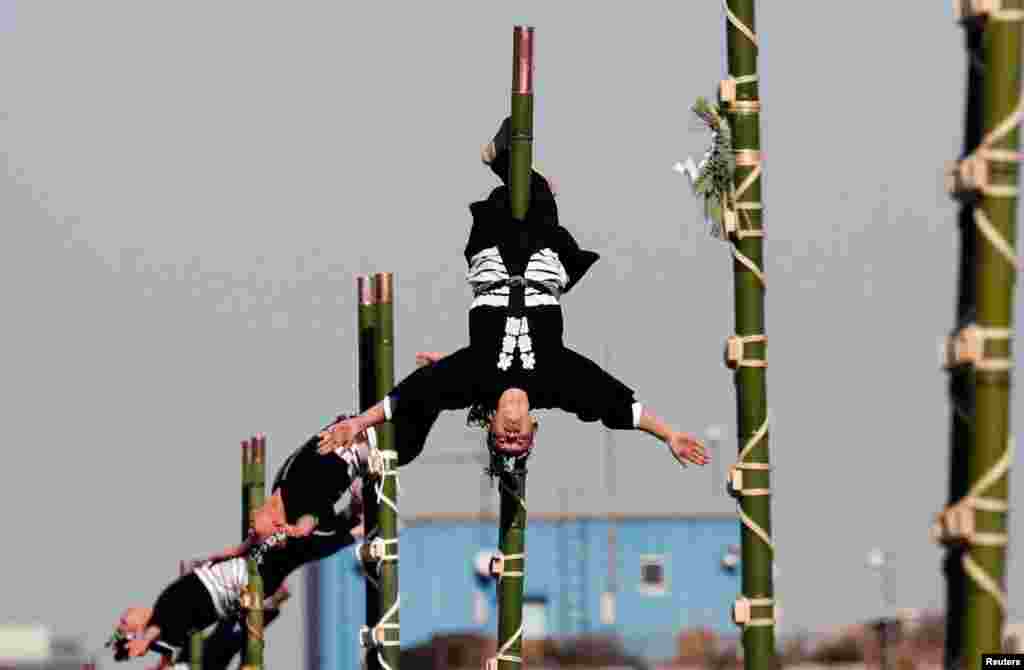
[652, 575]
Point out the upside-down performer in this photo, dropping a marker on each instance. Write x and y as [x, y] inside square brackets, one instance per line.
[227, 639]
[516, 359]
[212, 591]
[220, 646]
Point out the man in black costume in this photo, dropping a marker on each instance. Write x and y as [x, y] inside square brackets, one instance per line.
[516, 358]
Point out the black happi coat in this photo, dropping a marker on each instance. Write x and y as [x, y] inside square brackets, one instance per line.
[498, 356]
[311, 483]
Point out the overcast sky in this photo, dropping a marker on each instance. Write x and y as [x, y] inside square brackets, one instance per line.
[192, 187]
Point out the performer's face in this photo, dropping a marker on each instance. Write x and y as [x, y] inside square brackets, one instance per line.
[266, 519]
[512, 426]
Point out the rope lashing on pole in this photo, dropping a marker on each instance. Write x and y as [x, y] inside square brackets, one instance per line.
[252, 601]
[376, 550]
[377, 637]
[498, 565]
[503, 655]
[739, 25]
[971, 175]
[735, 351]
[513, 467]
[742, 612]
[967, 347]
[734, 484]
[382, 465]
[956, 525]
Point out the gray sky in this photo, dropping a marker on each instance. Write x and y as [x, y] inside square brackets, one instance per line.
[191, 188]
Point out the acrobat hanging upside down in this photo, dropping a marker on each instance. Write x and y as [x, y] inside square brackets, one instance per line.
[516, 360]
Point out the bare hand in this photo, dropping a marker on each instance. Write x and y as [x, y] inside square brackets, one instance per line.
[339, 435]
[424, 358]
[137, 647]
[686, 447]
[303, 528]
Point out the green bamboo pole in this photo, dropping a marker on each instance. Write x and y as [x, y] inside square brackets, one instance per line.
[387, 516]
[252, 656]
[512, 471]
[751, 381]
[995, 275]
[367, 328]
[521, 130]
[195, 640]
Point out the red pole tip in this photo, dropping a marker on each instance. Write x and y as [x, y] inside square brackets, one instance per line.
[383, 288]
[522, 68]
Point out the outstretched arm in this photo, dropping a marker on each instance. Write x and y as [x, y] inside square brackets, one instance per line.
[234, 551]
[684, 446]
[592, 394]
[424, 358]
[446, 383]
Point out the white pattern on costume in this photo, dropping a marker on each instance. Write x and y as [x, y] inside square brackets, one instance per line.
[516, 338]
[225, 582]
[487, 266]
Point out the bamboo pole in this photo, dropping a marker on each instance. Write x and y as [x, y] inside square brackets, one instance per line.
[367, 327]
[995, 274]
[252, 657]
[387, 514]
[521, 126]
[512, 471]
[740, 94]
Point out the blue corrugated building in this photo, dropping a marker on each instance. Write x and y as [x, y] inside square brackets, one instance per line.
[668, 573]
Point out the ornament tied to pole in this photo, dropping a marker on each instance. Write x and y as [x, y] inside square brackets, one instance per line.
[726, 213]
